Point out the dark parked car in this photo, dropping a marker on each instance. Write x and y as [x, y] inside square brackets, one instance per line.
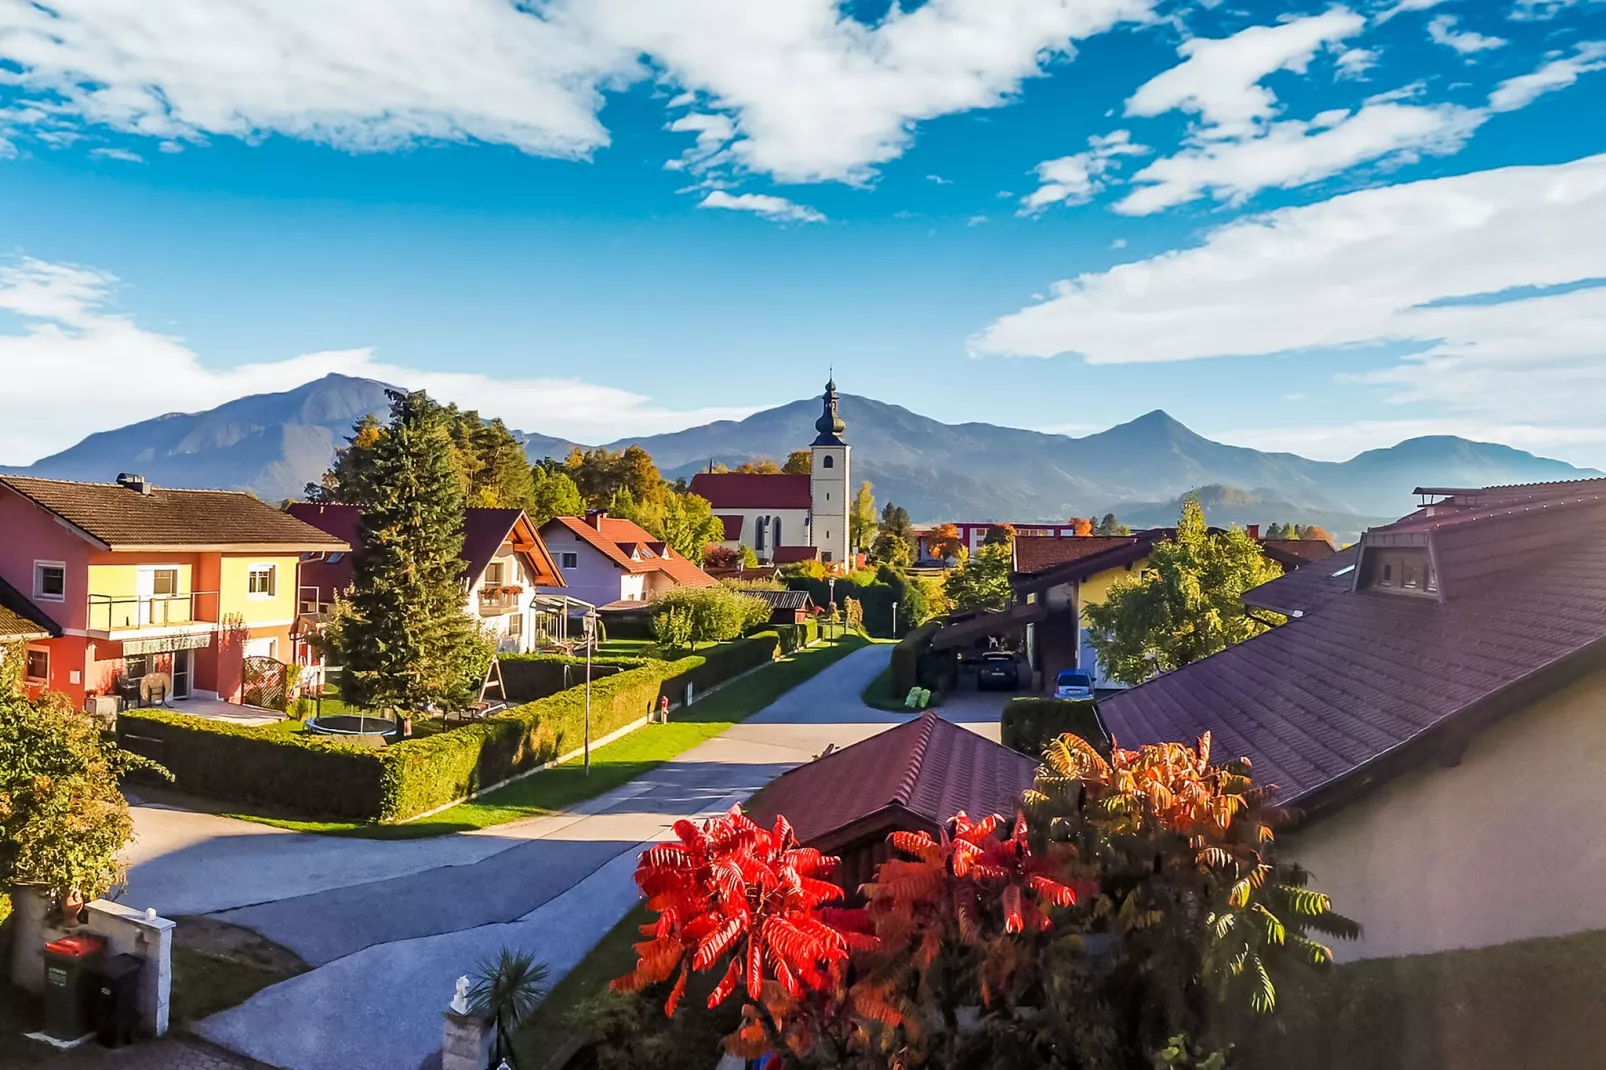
[998, 671]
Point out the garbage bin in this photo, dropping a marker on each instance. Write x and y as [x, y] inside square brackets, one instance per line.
[117, 1000]
[69, 965]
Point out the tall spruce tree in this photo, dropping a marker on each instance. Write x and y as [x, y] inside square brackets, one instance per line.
[408, 644]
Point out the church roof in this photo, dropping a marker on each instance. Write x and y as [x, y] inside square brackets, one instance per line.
[751, 490]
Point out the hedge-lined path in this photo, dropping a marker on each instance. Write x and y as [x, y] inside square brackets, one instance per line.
[390, 924]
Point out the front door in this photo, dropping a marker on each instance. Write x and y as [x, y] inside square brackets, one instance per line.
[182, 660]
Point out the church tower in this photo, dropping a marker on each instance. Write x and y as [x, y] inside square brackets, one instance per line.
[828, 483]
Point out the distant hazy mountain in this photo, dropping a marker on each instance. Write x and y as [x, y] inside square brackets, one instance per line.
[1225, 505]
[273, 444]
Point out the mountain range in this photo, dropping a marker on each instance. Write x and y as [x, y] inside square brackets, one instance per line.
[273, 444]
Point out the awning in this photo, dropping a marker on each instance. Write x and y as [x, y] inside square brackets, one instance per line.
[984, 624]
[167, 643]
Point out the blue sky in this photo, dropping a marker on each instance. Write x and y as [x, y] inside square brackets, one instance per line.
[1295, 226]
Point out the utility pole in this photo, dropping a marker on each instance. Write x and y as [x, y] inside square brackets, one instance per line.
[590, 620]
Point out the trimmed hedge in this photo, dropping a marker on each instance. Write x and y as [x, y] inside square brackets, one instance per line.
[1031, 724]
[297, 771]
[322, 777]
[907, 656]
[528, 677]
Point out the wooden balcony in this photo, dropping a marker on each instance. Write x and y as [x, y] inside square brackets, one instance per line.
[495, 601]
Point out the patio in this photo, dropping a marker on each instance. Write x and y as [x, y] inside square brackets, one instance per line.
[218, 710]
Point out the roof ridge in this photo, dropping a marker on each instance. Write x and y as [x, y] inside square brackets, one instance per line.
[917, 755]
[6, 477]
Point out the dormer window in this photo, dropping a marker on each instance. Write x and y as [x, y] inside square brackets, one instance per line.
[1403, 570]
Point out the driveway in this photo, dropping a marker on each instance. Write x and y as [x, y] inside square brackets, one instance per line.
[389, 925]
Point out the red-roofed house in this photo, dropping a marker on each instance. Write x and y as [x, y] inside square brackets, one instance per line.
[1435, 709]
[605, 560]
[911, 778]
[506, 567]
[781, 515]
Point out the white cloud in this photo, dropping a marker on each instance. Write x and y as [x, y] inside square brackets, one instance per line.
[939, 180]
[72, 334]
[1293, 153]
[1118, 243]
[1403, 6]
[1400, 265]
[1540, 10]
[1355, 62]
[117, 154]
[1074, 179]
[1442, 31]
[1219, 78]
[1340, 442]
[809, 92]
[1559, 73]
[713, 133]
[764, 204]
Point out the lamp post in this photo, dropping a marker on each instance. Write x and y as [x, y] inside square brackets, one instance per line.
[830, 597]
[894, 620]
[589, 621]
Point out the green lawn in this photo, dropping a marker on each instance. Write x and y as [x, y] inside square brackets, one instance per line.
[1529, 1005]
[612, 765]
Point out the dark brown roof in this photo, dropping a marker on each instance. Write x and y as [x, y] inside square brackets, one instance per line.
[1307, 589]
[21, 619]
[751, 490]
[1366, 678]
[791, 555]
[928, 768]
[1296, 553]
[787, 600]
[1034, 553]
[732, 523]
[123, 519]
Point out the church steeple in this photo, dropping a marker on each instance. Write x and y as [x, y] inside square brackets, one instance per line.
[830, 425]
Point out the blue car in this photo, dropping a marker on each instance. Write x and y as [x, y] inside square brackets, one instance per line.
[1073, 683]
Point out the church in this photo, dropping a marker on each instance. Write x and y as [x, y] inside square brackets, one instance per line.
[784, 517]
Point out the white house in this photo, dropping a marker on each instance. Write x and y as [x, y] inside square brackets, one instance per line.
[613, 563]
[786, 517]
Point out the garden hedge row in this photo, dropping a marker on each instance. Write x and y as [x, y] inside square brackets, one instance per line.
[528, 677]
[907, 655]
[322, 777]
[1031, 724]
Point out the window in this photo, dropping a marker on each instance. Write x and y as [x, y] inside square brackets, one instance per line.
[829, 462]
[38, 664]
[260, 582]
[493, 574]
[515, 625]
[50, 581]
[758, 533]
[335, 556]
[826, 556]
[569, 559]
[136, 665]
[164, 582]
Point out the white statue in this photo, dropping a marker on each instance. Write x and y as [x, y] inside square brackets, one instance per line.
[460, 999]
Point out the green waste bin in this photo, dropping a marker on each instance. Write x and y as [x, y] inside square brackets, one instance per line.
[70, 984]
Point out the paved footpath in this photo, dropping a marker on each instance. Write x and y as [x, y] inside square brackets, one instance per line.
[389, 925]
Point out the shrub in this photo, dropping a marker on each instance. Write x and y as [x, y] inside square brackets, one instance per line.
[907, 654]
[685, 616]
[1030, 724]
[527, 677]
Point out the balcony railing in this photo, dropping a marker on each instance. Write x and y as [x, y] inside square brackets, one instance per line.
[495, 600]
[114, 613]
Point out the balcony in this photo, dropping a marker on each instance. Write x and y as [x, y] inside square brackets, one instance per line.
[115, 614]
[494, 601]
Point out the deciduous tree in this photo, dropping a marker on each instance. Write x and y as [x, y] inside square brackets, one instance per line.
[982, 582]
[999, 535]
[944, 542]
[894, 541]
[763, 466]
[799, 463]
[1185, 604]
[861, 518]
[1111, 526]
[553, 494]
[1081, 525]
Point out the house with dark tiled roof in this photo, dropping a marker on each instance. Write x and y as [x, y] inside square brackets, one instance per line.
[616, 564]
[129, 580]
[912, 778]
[786, 607]
[1434, 709]
[506, 569]
[785, 517]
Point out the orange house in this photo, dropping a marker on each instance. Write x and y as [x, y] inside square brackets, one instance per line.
[138, 580]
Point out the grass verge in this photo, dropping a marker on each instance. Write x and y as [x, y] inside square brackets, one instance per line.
[612, 765]
[545, 1037]
[217, 966]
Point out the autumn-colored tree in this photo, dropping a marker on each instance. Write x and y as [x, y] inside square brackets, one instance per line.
[763, 466]
[1185, 604]
[722, 557]
[999, 535]
[799, 463]
[1080, 525]
[1315, 532]
[944, 542]
[861, 518]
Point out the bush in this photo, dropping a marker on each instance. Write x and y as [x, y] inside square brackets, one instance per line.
[527, 677]
[907, 655]
[685, 616]
[1031, 724]
[318, 776]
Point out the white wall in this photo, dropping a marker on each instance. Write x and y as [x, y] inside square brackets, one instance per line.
[1509, 844]
[794, 528]
[828, 491]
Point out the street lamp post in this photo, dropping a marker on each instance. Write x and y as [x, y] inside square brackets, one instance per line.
[830, 597]
[590, 623]
[894, 620]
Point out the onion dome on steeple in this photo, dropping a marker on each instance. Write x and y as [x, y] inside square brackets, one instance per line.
[830, 425]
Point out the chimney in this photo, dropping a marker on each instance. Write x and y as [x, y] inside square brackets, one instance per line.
[133, 482]
[595, 517]
[1254, 532]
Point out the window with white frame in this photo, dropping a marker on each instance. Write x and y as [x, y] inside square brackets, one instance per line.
[569, 560]
[39, 664]
[493, 574]
[164, 582]
[262, 581]
[50, 581]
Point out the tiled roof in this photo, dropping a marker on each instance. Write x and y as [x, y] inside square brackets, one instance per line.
[791, 555]
[750, 490]
[124, 519]
[733, 526]
[1034, 553]
[21, 619]
[615, 540]
[929, 767]
[1307, 589]
[745, 575]
[1296, 553]
[1368, 675]
[787, 600]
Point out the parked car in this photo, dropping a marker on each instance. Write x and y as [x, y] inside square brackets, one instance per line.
[998, 670]
[1073, 683]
